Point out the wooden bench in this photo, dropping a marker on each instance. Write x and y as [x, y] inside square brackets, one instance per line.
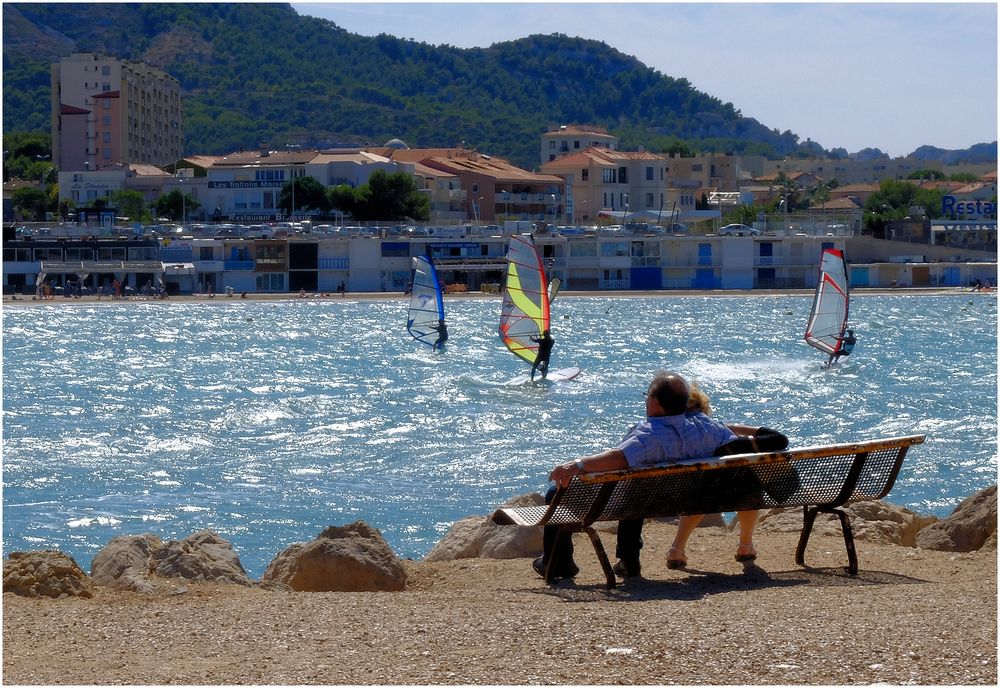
[819, 479]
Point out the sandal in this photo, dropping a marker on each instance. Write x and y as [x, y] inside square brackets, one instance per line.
[745, 553]
[675, 562]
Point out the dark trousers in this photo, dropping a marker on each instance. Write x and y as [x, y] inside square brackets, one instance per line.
[629, 540]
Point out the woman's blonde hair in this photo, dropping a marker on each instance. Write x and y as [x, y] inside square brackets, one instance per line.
[698, 400]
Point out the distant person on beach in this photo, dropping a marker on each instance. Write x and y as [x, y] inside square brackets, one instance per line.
[342, 288]
[541, 364]
[847, 346]
[442, 331]
[671, 432]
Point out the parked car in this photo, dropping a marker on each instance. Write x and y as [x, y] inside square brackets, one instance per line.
[739, 230]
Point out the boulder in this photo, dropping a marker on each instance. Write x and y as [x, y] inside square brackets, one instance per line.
[352, 558]
[479, 536]
[873, 521]
[123, 564]
[970, 526]
[200, 556]
[45, 573]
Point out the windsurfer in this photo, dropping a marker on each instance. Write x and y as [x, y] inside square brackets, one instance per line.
[541, 363]
[442, 331]
[848, 341]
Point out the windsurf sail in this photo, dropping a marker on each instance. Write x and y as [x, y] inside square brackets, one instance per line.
[554, 285]
[426, 313]
[828, 317]
[524, 312]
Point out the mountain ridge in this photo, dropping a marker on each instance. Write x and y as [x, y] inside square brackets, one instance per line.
[322, 86]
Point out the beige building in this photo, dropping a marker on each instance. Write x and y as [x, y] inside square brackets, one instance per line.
[573, 138]
[108, 112]
[624, 186]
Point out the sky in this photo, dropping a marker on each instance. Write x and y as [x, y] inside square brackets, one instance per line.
[893, 76]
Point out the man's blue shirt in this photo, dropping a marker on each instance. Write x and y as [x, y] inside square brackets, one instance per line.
[660, 439]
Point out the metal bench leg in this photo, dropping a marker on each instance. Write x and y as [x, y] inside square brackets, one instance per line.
[809, 517]
[602, 557]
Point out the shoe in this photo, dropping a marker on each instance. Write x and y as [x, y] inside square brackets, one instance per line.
[674, 561]
[569, 571]
[627, 568]
[749, 553]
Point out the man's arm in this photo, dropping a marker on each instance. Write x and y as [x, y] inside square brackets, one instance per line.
[610, 460]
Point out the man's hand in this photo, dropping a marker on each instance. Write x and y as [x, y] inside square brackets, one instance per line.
[564, 472]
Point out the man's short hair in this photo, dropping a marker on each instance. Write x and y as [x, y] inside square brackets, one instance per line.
[671, 392]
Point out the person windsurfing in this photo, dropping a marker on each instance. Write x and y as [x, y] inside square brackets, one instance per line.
[847, 342]
[442, 331]
[541, 363]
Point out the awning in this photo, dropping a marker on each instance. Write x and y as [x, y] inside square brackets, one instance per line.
[119, 268]
[176, 269]
[658, 217]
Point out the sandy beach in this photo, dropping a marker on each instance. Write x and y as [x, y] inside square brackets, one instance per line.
[333, 296]
[910, 617]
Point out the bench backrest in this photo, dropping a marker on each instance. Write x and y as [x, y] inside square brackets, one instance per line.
[826, 476]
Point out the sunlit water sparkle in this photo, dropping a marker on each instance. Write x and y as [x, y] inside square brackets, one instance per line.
[268, 421]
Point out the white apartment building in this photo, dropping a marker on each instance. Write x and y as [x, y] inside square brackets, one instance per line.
[108, 112]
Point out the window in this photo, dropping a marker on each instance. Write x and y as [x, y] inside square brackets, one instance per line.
[117, 253]
[552, 156]
[649, 200]
[106, 120]
[205, 253]
[143, 253]
[649, 174]
[576, 144]
[609, 176]
[623, 175]
[270, 281]
[584, 175]
[582, 249]
[269, 254]
[475, 188]
[106, 105]
[106, 137]
[552, 144]
[616, 249]
[105, 70]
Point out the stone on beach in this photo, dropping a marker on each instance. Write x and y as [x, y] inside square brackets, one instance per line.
[200, 556]
[971, 526]
[352, 558]
[478, 536]
[123, 563]
[45, 573]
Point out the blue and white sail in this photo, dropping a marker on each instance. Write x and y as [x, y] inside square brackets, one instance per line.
[425, 320]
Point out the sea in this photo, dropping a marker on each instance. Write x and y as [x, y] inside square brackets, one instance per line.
[267, 421]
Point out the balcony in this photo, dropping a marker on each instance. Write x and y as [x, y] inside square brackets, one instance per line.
[334, 263]
[235, 265]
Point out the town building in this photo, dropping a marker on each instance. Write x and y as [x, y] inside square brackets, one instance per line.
[109, 113]
[573, 138]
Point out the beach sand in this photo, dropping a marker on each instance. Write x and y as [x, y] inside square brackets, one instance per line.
[910, 617]
[333, 296]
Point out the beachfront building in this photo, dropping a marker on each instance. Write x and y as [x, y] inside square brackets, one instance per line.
[570, 139]
[109, 113]
[474, 258]
[626, 187]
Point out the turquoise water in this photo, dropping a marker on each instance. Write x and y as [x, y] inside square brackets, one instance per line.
[268, 421]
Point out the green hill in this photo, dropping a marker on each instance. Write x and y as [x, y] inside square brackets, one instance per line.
[260, 72]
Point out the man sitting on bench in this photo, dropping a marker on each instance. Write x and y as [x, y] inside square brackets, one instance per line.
[669, 433]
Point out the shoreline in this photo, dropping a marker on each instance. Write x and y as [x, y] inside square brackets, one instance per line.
[22, 301]
[494, 622]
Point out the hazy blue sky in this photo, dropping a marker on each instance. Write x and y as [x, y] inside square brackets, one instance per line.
[892, 76]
